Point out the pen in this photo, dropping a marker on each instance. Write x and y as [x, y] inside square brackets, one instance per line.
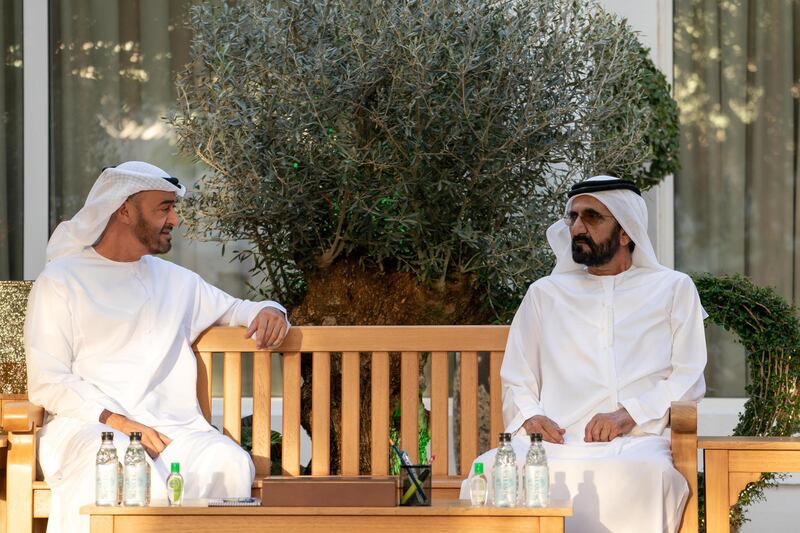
[404, 462]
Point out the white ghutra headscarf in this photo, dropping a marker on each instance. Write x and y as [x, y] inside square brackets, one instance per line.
[109, 192]
[628, 208]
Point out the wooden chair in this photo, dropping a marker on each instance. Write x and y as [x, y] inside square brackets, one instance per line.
[29, 498]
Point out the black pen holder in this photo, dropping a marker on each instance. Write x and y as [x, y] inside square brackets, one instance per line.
[415, 485]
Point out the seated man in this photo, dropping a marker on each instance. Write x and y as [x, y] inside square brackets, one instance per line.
[596, 353]
[108, 339]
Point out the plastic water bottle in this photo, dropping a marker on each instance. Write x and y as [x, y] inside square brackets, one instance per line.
[136, 491]
[537, 474]
[175, 485]
[478, 487]
[107, 472]
[504, 474]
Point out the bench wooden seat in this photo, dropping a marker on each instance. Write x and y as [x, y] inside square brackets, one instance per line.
[29, 498]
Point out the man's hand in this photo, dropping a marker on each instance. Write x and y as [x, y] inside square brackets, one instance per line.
[153, 441]
[549, 429]
[270, 327]
[605, 427]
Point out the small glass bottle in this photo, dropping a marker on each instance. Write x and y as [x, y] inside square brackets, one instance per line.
[504, 474]
[478, 487]
[107, 468]
[175, 485]
[136, 489]
[537, 475]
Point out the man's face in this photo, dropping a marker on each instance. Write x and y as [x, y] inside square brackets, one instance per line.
[595, 232]
[154, 219]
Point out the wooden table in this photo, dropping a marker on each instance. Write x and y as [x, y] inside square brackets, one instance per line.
[442, 516]
[733, 462]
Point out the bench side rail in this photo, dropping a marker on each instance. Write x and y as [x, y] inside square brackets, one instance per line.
[379, 343]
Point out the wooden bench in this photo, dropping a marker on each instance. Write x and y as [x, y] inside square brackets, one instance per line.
[28, 498]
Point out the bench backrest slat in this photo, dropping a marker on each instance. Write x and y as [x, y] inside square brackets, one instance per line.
[439, 417]
[290, 444]
[468, 343]
[409, 404]
[495, 399]
[469, 410]
[351, 412]
[380, 413]
[204, 373]
[262, 393]
[232, 395]
[320, 413]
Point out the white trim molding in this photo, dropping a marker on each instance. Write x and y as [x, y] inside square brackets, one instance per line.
[36, 136]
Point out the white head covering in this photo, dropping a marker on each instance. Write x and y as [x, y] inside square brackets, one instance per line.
[109, 192]
[630, 211]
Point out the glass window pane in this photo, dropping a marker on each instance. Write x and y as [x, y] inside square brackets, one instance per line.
[114, 64]
[737, 82]
[11, 154]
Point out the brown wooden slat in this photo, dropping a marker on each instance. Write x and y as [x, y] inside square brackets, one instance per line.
[439, 414]
[749, 443]
[204, 373]
[351, 397]
[469, 410]
[409, 404]
[380, 413]
[232, 396]
[321, 414]
[290, 446]
[365, 339]
[495, 399]
[262, 394]
[763, 461]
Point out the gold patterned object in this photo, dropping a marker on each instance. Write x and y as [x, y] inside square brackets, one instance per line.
[13, 302]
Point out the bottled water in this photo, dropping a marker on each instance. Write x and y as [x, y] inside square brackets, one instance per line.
[478, 487]
[537, 475]
[107, 472]
[136, 491]
[505, 474]
[175, 485]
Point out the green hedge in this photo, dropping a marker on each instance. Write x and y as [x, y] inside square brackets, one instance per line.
[768, 328]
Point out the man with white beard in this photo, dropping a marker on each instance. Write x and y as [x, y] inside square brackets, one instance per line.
[108, 340]
[596, 353]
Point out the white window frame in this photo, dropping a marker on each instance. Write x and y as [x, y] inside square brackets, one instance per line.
[36, 134]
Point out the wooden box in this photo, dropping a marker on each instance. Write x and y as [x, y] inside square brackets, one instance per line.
[329, 491]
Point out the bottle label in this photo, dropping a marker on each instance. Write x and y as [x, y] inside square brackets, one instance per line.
[505, 485]
[175, 489]
[106, 484]
[136, 484]
[537, 485]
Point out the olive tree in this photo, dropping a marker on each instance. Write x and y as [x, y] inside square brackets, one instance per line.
[398, 161]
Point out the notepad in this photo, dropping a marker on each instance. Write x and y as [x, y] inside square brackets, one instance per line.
[234, 502]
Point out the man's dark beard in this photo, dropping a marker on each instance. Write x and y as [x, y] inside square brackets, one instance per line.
[151, 236]
[597, 254]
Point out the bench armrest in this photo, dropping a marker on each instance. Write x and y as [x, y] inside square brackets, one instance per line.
[683, 417]
[22, 417]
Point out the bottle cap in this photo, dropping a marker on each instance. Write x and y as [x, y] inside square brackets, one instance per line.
[478, 468]
[536, 437]
[136, 435]
[107, 435]
[175, 468]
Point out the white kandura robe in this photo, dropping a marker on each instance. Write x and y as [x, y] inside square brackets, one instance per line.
[582, 344]
[101, 334]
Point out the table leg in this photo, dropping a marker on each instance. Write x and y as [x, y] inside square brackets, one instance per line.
[717, 491]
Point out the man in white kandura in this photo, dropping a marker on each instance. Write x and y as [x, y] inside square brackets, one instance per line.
[108, 338]
[596, 353]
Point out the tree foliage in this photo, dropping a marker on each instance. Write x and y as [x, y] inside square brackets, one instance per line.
[428, 136]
